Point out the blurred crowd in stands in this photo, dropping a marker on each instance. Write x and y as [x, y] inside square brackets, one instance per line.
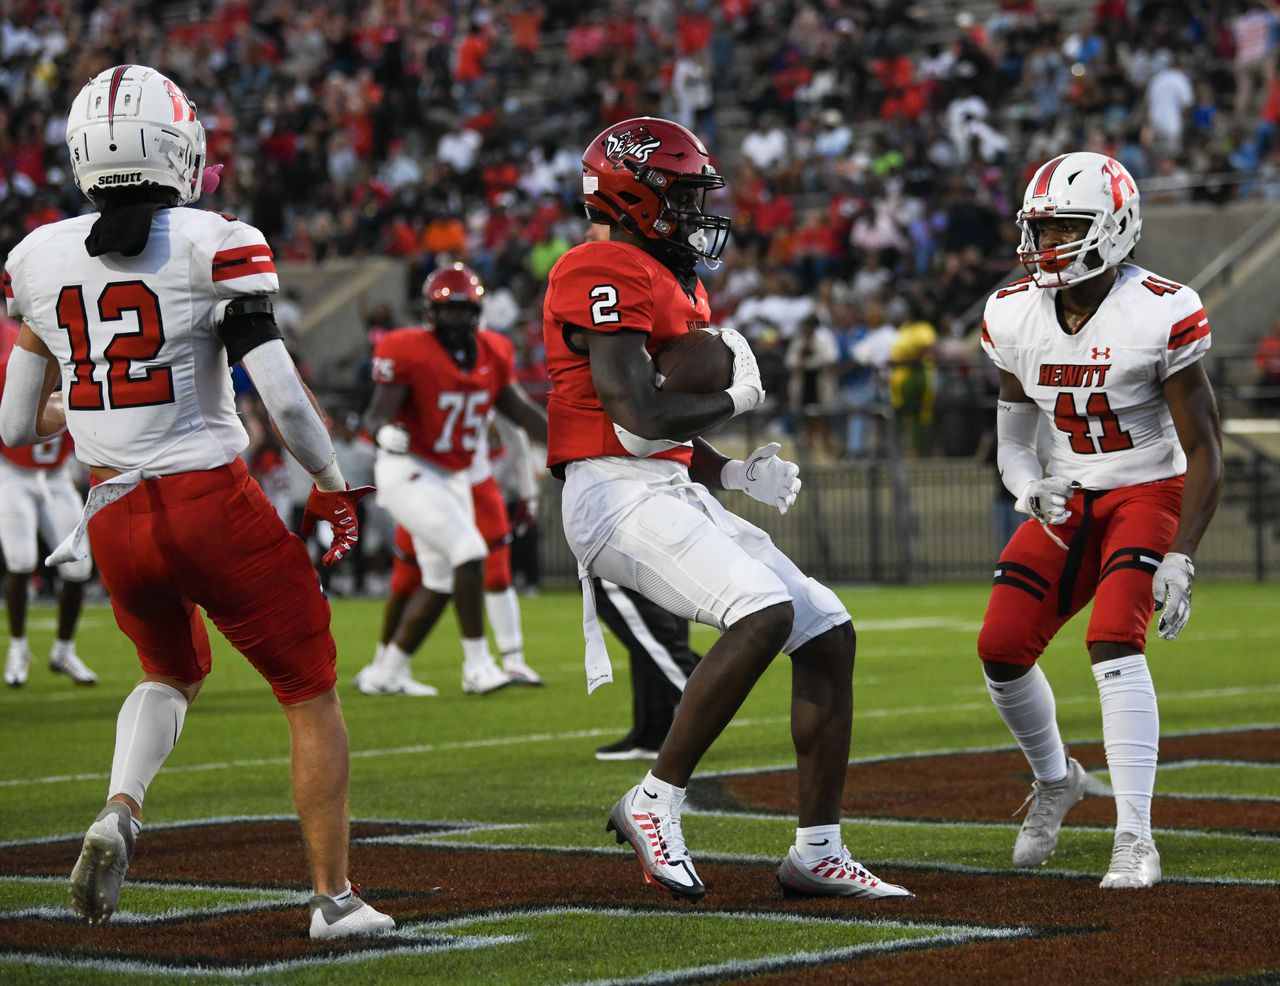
[876, 151]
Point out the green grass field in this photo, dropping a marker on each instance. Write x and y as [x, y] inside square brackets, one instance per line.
[515, 769]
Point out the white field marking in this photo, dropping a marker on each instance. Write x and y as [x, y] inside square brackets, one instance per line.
[138, 918]
[741, 968]
[419, 748]
[441, 827]
[500, 741]
[1184, 764]
[920, 865]
[995, 827]
[961, 750]
[324, 958]
[269, 895]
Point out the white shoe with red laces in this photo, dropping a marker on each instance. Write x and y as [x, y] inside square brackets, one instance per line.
[659, 844]
[837, 875]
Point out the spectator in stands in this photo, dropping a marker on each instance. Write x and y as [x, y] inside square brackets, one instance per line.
[1169, 96]
[910, 379]
[811, 359]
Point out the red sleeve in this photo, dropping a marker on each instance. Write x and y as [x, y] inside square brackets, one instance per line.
[394, 358]
[601, 286]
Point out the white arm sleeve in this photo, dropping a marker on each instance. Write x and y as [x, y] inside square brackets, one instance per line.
[281, 391]
[1016, 426]
[20, 407]
[519, 453]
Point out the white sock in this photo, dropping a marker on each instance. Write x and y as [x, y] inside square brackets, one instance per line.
[817, 841]
[18, 642]
[475, 650]
[1131, 734]
[136, 826]
[393, 655]
[503, 610]
[1026, 705]
[62, 648]
[343, 897]
[378, 652]
[147, 728]
[660, 796]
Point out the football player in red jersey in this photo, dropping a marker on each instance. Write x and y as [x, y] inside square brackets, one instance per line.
[501, 602]
[1108, 356]
[138, 308]
[435, 390]
[37, 496]
[637, 511]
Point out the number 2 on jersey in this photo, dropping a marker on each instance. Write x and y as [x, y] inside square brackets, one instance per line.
[1078, 426]
[124, 389]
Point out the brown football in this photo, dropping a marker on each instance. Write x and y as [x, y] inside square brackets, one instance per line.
[697, 362]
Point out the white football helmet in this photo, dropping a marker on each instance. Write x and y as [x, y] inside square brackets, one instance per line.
[1080, 185]
[130, 125]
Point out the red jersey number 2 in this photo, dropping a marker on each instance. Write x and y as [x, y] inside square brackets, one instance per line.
[1079, 426]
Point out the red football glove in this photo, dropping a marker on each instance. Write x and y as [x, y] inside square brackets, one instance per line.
[339, 509]
[523, 516]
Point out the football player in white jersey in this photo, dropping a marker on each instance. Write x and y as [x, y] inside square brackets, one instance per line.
[1110, 354]
[139, 308]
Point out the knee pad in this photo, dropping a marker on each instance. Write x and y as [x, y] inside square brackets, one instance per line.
[818, 609]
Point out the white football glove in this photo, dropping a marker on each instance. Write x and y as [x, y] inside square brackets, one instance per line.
[764, 477]
[747, 390]
[1171, 588]
[393, 439]
[1046, 499]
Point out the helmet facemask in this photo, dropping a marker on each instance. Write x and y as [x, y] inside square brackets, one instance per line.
[455, 324]
[1069, 263]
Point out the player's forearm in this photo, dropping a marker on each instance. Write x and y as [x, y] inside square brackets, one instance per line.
[708, 465]
[675, 417]
[25, 417]
[290, 406]
[1016, 425]
[1200, 493]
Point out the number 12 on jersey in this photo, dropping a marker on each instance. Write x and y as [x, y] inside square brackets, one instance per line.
[1079, 426]
[124, 386]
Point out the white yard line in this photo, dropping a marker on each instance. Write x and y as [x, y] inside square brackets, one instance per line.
[501, 741]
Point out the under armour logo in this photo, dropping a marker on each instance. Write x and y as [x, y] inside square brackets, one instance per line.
[1104, 353]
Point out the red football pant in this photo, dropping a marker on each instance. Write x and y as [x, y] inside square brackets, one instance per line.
[211, 539]
[1116, 539]
[494, 526]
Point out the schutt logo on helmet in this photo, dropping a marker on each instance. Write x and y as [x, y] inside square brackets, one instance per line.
[636, 144]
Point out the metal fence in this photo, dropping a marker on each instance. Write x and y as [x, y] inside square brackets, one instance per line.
[907, 520]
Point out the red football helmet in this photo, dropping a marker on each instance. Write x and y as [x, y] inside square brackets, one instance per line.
[453, 296]
[628, 174]
[453, 284]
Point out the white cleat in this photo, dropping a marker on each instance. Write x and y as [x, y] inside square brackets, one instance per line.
[388, 674]
[658, 841]
[329, 919]
[480, 679]
[73, 668]
[837, 875]
[519, 673]
[95, 884]
[1049, 804]
[16, 665]
[1134, 863]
